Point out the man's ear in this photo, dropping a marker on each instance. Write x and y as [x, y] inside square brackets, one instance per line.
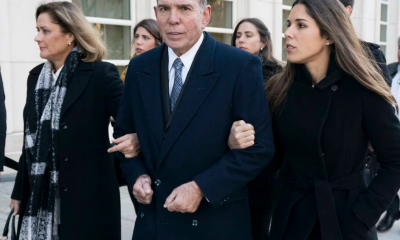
[155, 11]
[206, 16]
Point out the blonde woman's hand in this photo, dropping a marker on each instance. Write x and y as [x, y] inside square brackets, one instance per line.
[14, 204]
[127, 145]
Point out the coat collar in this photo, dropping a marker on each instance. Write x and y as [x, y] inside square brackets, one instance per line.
[334, 74]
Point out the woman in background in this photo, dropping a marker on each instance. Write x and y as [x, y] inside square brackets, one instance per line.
[146, 36]
[253, 36]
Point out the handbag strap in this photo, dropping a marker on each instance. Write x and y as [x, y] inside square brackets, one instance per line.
[7, 227]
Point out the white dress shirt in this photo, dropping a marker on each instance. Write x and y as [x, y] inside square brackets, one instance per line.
[55, 76]
[187, 60]
[396, 87]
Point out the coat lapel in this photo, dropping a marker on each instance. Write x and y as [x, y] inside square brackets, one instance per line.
[78, 83]
[150, 91]
[200, 83]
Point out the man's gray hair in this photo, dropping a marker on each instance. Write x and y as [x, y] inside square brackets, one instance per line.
[202, 3]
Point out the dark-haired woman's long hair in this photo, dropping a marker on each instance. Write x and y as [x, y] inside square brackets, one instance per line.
[334, 23]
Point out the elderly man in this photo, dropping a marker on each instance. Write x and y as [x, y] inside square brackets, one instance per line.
[181, 99]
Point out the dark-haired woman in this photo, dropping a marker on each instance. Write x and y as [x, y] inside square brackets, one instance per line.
[146, 36]
[66, 187]
[252, 35]
[327, 105]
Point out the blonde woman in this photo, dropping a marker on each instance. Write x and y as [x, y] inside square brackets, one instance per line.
[66, 186]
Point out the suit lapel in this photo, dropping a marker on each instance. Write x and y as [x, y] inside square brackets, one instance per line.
[150, 91]
[199, 84]
[78, 83]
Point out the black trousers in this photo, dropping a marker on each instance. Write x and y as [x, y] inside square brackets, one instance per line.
[394, 206]
[263, 196]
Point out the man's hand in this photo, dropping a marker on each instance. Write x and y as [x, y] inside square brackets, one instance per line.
[242, 135]
[185, 198]
[14, 204]
[142, 189]
[127, 144]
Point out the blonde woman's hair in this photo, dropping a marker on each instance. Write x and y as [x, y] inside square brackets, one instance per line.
[335, 23]
[71, 20]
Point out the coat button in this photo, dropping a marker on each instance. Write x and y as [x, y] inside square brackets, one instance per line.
[64, 126]
[194, 223]
[142, 215]
[157, 182]
[65, 158]
[65, 188]
[334, 88]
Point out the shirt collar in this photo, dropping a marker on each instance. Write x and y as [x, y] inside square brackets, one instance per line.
[58, 72]
[188, 57]
[398, 68]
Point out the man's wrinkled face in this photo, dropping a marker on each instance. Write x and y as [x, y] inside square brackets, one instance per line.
[181, 23]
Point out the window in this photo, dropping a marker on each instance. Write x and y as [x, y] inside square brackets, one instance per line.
[286, 7]
[222, 20]
[113, 19]
[383, 26]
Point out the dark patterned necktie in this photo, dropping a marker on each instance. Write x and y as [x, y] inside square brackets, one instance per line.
[178, 83]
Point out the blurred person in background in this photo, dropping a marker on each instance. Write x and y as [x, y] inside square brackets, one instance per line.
[66, 187]
[393, 213]
[3, 126]
[146, 36]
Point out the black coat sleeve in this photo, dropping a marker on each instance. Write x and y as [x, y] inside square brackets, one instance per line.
[383, 130]
[3, 123]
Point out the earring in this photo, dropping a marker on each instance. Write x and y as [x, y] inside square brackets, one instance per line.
[261, 49]
[69, 44]
[327, 44]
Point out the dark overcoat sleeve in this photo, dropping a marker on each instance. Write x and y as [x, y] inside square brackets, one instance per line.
[383, 130]
[132, 168]
[3, 123]
[239, 167]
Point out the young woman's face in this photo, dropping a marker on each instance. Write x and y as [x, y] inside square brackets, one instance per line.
[143, 41]
[304, 42]
[248, 38]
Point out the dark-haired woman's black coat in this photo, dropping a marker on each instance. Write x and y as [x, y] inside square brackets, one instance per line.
[90, 201]
[321, 136]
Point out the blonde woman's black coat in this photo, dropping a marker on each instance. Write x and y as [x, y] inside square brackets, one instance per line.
[90, 201]
[321, 137]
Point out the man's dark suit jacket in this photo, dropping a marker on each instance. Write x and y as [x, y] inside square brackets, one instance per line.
[393, 69]
[224, 85]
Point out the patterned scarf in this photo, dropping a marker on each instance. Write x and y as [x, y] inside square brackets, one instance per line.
[41, 149]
